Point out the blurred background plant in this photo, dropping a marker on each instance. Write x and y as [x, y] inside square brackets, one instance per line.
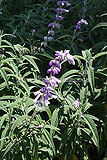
[62, 132]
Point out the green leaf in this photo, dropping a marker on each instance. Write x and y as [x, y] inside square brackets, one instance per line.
[31, 61]
[70, 73]
[102, 24]
[2, 85]
[51, 127]
[79, 57]
[99, 55]
[2, 119]
[50, 140]
[90, 73]
[8, 148]
[8, 43]
[54, 120]
[87, 54]
[4, 134]
[92, 126]
[35, 148]
[64, 36]
[25, 86]
[105, 14]
[4, 75]
[18, 47]
[46, 55]
[19, 121]
[48, 112]
[85, 106]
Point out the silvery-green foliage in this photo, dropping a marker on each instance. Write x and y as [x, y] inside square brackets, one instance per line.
[62, 131]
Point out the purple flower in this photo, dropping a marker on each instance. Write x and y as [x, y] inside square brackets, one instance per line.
[61, 10]
[51, 32]
[38, 95]
[84, 22]
[54, 25]
[66, 52]
[43, 89]
[76, 103]
[56, 70]
[70, 59]
[52, 62]
[58, 18]
[78, 26]
[50, 38]
[54, 96]
[52, 81]
[47, 102]
[67, 3]
[47, 80]
[50, 89]
[53, 70]
[62, 3]
[60, 55]
[55, 63]
[50, 70]
[43, 108]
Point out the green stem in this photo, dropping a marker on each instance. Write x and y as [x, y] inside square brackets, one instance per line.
[32, 117]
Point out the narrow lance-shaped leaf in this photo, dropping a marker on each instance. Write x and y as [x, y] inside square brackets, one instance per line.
[54, 120]
[31, 61]
[99, 55]
[90, 73]
[93, 128]
[102, 24]
[4, 75]
[50, 140]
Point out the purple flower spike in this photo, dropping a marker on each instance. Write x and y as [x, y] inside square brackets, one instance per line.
[48, 91]
[76, 103]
